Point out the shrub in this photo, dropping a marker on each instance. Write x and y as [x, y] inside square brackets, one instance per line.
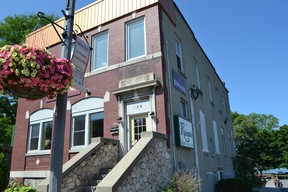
[184, 182]
[4, 171]
[15, 186]
[233, 185]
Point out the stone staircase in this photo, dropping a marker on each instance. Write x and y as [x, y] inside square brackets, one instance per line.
[96, 179]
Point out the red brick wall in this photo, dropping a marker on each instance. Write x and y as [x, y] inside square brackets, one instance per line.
[98, 85]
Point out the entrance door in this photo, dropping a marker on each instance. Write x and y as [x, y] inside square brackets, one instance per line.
[138, 124]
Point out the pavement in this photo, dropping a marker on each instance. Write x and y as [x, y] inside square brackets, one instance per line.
[270, 187]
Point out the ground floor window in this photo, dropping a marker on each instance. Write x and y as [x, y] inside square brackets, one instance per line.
[40, 136]
[40, 131]
[85, 127]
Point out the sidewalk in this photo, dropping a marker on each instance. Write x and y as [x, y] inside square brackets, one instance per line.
[270, 187]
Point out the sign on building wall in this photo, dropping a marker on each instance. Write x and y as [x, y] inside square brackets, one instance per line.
[136, 80]
[178, 82]
[80, 60]
[183, 132]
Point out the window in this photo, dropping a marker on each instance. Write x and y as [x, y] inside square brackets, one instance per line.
[87, 121]
[100, 51]
[197, 77]
[179, 55]
[183, 108]
[224, 106]
[135, 39]
[203, 132]
[40, 136]
[40, 131]
[218, 100]
[210, 90]
[83, 123]
[217, 149]
[223, 141]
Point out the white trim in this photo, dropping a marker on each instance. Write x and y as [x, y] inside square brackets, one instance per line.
[127, 39]
[30, 174]
[203, 132]
[92, 56]
[124, 64]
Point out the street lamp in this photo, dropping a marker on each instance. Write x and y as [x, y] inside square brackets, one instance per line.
[60, 113]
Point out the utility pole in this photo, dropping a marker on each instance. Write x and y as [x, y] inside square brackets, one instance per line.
[61, 105]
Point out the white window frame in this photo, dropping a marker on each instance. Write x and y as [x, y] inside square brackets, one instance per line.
[85, 107]
[216, 138]
[224, 141]
[87, 133]
[94, 38]
[183, 109]
[40, 117]
[224, 105]
[218, 100]
[128, 57]
[197, 76]
[210, 90]
[178, 51]
[203, 132]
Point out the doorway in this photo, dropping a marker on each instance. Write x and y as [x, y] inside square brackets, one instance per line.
[138, 124]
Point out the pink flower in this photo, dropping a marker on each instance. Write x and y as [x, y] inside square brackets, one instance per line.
[40, 69]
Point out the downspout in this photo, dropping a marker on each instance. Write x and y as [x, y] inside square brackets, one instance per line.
[195, 142]
[172, 132]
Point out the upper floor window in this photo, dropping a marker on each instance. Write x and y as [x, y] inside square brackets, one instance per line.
[224, 106]
[87, 121]
[218, 100]
[179, 55]
[210, 90]
[100, 51]
[183, 108]
[135, 39]
[203, 132]
[40, 131]
[215, 130]
[197, 76]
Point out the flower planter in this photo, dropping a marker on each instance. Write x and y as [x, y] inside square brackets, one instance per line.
[33, 73]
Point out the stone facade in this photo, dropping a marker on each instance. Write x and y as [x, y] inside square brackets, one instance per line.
[153, 172]
[105, 157]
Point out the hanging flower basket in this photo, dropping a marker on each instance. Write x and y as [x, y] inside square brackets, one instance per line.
[33, 73]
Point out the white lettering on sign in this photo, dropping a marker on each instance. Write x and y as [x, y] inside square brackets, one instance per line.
[138, 107]
[80, 60]
[136, 80]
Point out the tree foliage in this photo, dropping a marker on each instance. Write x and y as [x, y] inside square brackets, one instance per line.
[14, 29]
[259, 144]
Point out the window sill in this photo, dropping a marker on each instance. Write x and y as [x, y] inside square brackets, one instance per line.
[37, 153]
[76, 150]
[182, 73]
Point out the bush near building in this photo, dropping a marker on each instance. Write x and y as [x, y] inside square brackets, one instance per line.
[233, 185]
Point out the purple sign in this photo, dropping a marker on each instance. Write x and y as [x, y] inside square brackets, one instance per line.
[178, 82]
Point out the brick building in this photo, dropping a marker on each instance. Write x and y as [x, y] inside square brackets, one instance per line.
[147, 72]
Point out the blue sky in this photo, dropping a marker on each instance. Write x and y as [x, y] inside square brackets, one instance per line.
[246, 41]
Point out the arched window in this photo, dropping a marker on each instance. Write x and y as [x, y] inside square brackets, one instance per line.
[87, 121]
[40, 130]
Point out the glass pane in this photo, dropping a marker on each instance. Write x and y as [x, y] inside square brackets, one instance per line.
[96, 124]
[79, 123]
[35, 130]
[34, 144]
[136, 41]
[46, 135]
[79, 138]
[100, 51]
[139, 127]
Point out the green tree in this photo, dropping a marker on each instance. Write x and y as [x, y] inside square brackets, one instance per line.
[264, 122]
[14, 29]
[259, 143]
